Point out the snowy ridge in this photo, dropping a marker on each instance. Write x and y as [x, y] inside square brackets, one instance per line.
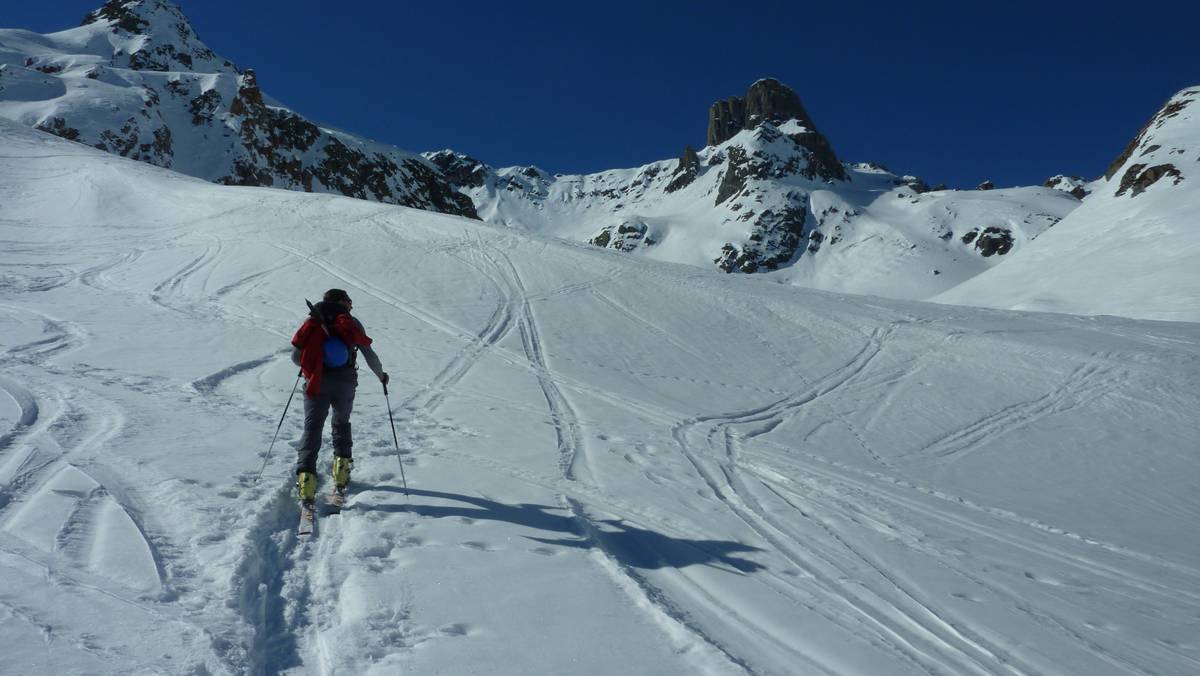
[766, 196]
[756, 203]
[1131, 248]
[136, 81]
[615, 465]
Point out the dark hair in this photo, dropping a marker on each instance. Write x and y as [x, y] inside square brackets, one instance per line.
[336, 296]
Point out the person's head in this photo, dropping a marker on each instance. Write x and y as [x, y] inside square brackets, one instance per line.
[338, 296]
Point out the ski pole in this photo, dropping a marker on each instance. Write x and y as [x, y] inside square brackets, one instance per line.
[397, 441]
[278, 427]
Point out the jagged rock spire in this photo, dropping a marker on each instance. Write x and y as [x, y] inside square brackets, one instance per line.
[770, 101]
[767, 100]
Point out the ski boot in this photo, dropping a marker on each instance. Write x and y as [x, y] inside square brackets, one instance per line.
[306, 487]
[341, 472]
[341, 477]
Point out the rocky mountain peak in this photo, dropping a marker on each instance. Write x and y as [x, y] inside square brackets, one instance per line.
[136, 16]
[767, 100]
[158, 37]
[771, 103]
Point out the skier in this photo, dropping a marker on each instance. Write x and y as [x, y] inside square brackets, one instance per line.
[325, 348]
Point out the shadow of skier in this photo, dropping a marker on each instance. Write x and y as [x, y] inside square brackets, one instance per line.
[630, 545]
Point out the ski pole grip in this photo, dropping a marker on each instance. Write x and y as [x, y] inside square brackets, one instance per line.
[385, 392]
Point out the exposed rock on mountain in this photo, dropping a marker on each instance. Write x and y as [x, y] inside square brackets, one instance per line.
[1139, 177]
[686, 172]
[775, 239]
[770, 101]
[772, 198]
[135, 80]
[627, 236]
[767, 100]
[1152, 154]
[1072, 185]
[990, 241]
[461, 170]
[164, 40]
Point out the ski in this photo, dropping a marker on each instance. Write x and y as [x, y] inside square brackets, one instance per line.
[308, 516]
[336, 500]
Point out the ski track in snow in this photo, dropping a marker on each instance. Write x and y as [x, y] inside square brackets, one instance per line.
[818, 534]
[904, 630]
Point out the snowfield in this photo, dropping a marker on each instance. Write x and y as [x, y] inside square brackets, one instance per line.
[615, 465]
[1130, 249]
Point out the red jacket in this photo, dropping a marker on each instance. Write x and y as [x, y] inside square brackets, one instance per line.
[310, 339]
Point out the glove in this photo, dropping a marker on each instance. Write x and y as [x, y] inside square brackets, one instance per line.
[384, 379]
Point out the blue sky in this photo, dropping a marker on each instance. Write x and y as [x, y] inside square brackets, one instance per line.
[954, 92]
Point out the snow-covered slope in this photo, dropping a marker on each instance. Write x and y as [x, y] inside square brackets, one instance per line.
[616, 465]
[767, 194]
[136, 81]
[1131, 249]
[771, 195]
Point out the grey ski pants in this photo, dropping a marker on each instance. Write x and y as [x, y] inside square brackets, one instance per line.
[337, 392]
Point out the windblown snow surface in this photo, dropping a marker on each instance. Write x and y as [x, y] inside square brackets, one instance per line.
[614, 465]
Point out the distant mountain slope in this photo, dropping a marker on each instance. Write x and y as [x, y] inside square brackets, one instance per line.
[770, 195]
[1131, 249]
[136, 81]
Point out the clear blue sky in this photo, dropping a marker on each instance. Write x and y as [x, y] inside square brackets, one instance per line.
[955, 92]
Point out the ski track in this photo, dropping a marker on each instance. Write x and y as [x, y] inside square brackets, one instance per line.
[276, 572]
[572, 454]
[64, 436]
[380, 294]
[60, 337]
[97, 276]
[650, 326]
[1083, 384]
[210, 383]
[882, 490]
[430, 397]
[566, 422]
[911, 639]
[29, 411]
[947, 636]
[67, 447]
[856, 495]
[271, 584]
[171, 285]
[815, 494]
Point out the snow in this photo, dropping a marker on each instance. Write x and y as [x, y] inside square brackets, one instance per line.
[162, 96]
[614, 464]
[883, 239]
[1131, 254]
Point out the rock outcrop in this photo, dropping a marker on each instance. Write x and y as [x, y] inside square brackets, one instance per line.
[770, 101]
[767, 100]
[1154, 153]
[686, 171]
[1072, 185]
